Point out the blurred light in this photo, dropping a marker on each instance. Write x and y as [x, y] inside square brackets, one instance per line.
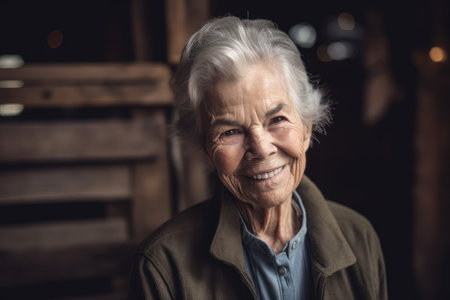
[303, 34]
[55, 39]
[346, 21]
[438, 54]
[322, 54]
[10, 109]
[11, 84]
[11, 61]
[340, 50]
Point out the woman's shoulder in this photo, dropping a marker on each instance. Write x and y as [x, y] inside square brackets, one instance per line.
[182, 230]
[345, 214]
[356, 228]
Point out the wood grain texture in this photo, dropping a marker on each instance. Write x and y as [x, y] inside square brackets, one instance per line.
[183, 18]
[59, 235]
[65, 264]
[74, 85]
[87, 72]
[62, 184]
[177, 35]
[82, 140]
[140, 32]
[152, 197]
[86, 95]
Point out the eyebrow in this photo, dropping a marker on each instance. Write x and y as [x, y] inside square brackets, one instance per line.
[274, 110]
[270, 112]
[222, 121]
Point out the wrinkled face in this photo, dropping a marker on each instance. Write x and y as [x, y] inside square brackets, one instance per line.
[255, 137]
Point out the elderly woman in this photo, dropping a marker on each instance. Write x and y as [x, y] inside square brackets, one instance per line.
[268, 233]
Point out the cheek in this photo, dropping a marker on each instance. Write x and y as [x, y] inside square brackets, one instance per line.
[291, 140]
[226, 159]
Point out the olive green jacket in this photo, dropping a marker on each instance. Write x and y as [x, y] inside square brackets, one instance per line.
[198, 254]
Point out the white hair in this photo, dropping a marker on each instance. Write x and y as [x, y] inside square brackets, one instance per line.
[219, 50]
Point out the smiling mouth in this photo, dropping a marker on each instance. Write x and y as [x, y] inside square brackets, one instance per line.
[268, 175]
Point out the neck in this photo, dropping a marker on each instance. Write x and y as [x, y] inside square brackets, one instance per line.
[275, 225]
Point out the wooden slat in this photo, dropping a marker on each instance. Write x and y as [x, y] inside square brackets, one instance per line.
[58, 235]
[28, 267]
[88, 140]
[86, 72]
[62, 184]
[86, 95]
[88, 85]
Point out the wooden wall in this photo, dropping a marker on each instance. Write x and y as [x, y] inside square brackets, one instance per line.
[86, 168]
[77, 194]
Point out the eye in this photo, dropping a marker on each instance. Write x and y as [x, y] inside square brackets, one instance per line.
[277, 120]
[229, 132]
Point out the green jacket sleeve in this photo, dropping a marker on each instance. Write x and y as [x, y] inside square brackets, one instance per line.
[147, 281]
[382, 290]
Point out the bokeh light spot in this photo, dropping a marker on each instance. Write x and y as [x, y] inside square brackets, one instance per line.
[438, 54]
[303, 34]
[340, 50]
[346, 21]
[11, 109]
[55, 39]
[11, 61]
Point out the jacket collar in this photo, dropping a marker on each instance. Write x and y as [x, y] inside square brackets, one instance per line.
[329, 252]
[227, 243]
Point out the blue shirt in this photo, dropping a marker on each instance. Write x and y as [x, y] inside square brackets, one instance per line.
[285, 275]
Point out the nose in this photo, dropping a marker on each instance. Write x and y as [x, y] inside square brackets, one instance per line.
[260, 145]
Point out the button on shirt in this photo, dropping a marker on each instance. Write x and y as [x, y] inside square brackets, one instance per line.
[279, 276]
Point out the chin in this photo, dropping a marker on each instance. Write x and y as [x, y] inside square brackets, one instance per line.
[267, 200]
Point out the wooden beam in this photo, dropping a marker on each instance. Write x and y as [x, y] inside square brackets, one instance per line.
[57, 235]
[28, 267]
[88, 85]
[431, 186]
[177, 34]
[62, 184]
[152, 198]
[88, 140]
[86, 72]
[86, 95]
[139, 30]
[184, 18]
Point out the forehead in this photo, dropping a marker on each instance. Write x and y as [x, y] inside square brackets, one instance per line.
[257, 86]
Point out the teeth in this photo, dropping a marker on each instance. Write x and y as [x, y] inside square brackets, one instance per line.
[267, 175]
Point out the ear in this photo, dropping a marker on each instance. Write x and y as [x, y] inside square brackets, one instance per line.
[306, 137]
